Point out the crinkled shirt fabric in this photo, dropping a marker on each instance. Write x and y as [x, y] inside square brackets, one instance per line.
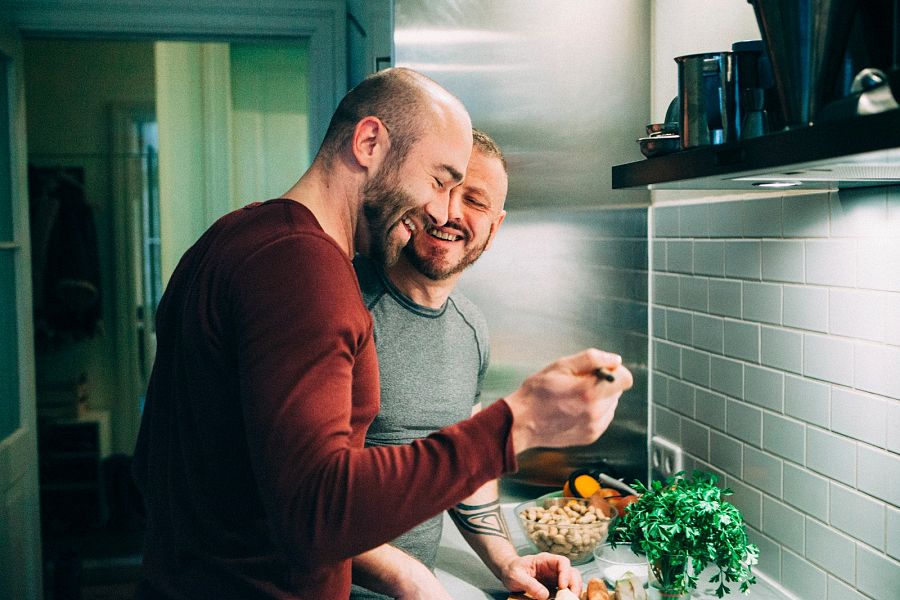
[250, 456]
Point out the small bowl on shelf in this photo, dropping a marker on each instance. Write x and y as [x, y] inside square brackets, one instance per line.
[614, 563]
[570, 527]
[659, 145]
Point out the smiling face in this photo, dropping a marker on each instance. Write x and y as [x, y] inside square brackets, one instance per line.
[475, 213]
[421, 184]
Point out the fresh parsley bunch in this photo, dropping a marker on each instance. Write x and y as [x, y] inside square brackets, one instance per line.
[685, 522]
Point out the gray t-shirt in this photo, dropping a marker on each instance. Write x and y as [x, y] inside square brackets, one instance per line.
[432, 364]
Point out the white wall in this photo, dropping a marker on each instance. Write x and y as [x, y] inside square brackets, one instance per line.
[681, 27]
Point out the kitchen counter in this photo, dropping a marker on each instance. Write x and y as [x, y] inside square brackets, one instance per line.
[466, 578]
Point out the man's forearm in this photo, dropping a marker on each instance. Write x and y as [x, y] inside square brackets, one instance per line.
[389, 570]
[480, 520]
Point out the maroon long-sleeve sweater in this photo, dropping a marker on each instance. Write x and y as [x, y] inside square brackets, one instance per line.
[250, 456]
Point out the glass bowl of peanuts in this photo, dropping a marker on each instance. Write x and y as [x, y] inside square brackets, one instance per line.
[570, 527]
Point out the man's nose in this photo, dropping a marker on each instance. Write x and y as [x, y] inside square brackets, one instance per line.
[438, 209]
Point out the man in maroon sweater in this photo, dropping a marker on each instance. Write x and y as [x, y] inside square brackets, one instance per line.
[250, 455]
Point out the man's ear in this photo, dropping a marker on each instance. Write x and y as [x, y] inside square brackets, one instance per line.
[370, 142]
[494, 227]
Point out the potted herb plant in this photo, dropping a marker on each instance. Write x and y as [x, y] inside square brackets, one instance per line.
[684, 525]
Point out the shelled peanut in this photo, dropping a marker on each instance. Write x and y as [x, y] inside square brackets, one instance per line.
[572, 529]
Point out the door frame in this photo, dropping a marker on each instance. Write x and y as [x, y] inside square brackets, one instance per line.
[322, 22]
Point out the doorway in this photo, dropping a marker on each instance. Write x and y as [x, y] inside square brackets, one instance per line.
[230, 121]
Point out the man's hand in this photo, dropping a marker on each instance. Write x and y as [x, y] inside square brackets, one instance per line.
[529, 574]
[566, 403]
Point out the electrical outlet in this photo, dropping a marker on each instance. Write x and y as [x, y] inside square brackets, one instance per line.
[665, 457]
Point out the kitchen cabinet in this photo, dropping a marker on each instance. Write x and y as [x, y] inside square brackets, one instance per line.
[862, 151]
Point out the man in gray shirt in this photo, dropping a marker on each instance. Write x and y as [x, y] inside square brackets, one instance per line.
[430, 339]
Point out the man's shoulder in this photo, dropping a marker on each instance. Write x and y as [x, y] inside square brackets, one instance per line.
[468, 310]
[370, 282]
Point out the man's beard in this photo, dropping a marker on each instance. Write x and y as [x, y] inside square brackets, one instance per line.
[384, 202]
[434, 266]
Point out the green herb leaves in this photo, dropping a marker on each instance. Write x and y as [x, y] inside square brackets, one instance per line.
[684, 525]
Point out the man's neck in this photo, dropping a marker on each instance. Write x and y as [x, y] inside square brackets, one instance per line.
[334, 201]
[418, 288]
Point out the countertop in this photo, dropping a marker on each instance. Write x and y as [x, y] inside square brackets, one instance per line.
[466, 578]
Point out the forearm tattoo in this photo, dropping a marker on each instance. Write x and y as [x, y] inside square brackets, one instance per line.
[481, 519]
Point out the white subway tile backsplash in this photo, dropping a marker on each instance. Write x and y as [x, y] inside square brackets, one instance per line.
[806, 216]
[877, 575]
[769, 553]
[858, 515]
[667, 424]
[779, 348]
[709, 258]
[879, 264]
[761, 302]
[660, 393]
[876, 369]
[680, 256]
[695, 439]
[841, 591]
[726, 453]
[776, 326]
[694, 220]
[659, 322]
[879, 474]
[828, 358]
[743, 259]
[893, 427]
[694, 293]
[783, 524]
[807, 400]
[858, 212]
[831, 262]
[725, 219]
[762, 218]
[764, 387]
[747, 499]
[846, 407]
[802, 578]
[782, 261]
[741, 340]
[857, 313]
[665, 221]
[831, 455]
[695, 366]
[708, 333]
[658, 259]
[806, 308]
[710, 408]
[893, 532]
[665, 289]
[725, 297]
[726, 376]
[679, 326]
[833, 551]
[681, 397]
[667, 358]
[891, 316]
[806, 491]
[763, 471]
[784, 437]
[743, 422]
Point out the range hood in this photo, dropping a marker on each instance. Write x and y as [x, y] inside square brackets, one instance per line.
[856, 152]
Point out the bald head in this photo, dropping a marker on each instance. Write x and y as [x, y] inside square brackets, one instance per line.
[407, 103]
